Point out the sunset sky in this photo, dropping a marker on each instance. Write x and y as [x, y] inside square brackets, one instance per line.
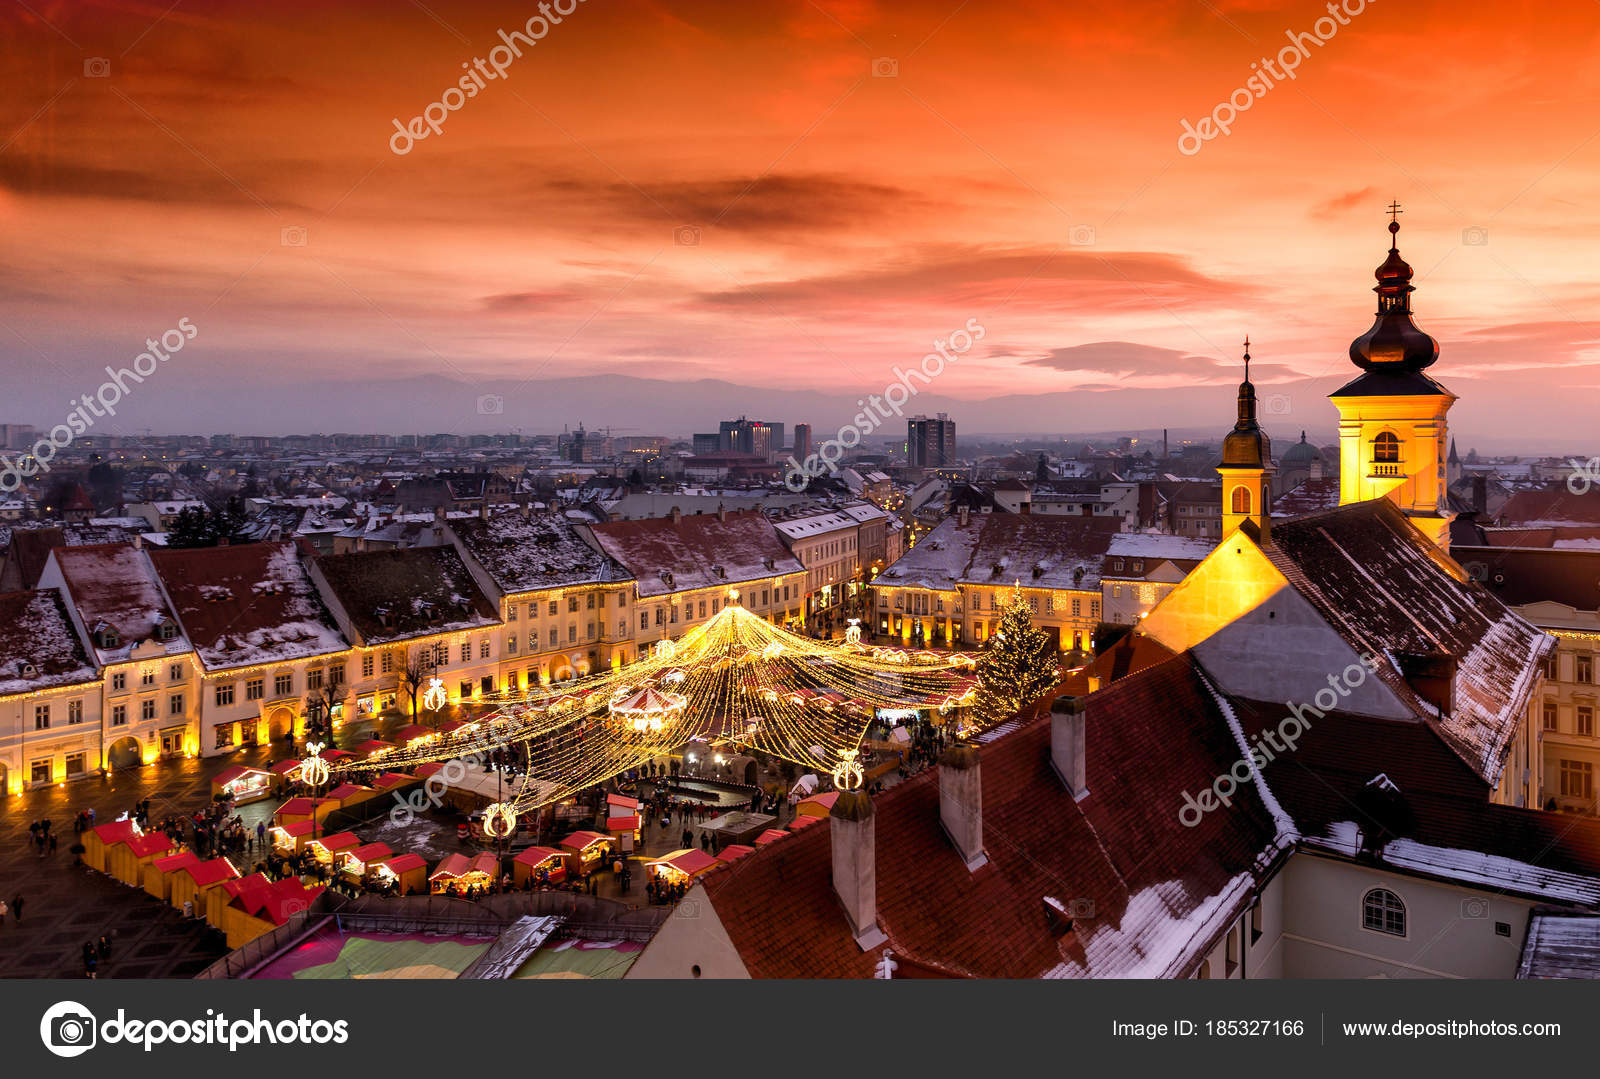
[864, 177]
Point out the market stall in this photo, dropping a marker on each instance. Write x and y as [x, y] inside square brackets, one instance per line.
[126, 861]
[301, 808]
[263, 906]
[243, 784]
[192, 883]
[368, 748]
[285, 771]
[771, 835]
[288, 839]
[448, 872]
[733, 852]
[818, 805]
[681, 866]
[412, 734]
[587, 852]
[542, 865]
[480, 871]
[627, 831]
[406, 873]
[101, 838]
[349, 795]
[158, 874]
[325, 848]
[390, 782]
[353, 863]
[804, 820]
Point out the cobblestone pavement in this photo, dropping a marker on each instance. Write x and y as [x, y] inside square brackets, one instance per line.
[66, 905]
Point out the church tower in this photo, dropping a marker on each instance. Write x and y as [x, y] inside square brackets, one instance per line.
[1246, 467]
[1392, 431]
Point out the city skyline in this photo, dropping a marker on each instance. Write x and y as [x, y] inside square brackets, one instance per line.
[797, 200]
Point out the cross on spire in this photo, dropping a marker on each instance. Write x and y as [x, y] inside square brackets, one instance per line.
[1394, 210]
[1247, 357]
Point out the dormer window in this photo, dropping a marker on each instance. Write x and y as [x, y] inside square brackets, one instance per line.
[27, 670]
[106, 637]
[166, 631]
[1386, 449]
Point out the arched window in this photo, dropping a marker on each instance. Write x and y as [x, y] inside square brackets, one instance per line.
[1241, 500]
[1386, 448]
[1383, 912]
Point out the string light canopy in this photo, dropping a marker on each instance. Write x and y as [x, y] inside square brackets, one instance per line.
[735, 678]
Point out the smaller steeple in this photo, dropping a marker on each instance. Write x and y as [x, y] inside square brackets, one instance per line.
[1246, 466]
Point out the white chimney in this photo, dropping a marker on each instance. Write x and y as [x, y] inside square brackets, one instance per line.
[961, 803]
[855, 870]
[1067, 739]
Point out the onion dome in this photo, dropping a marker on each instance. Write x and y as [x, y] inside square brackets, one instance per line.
[1394, 345]
[1247, 445]
[1301, 453]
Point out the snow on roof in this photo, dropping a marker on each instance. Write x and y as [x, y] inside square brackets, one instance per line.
[1391, 594]
[1159, 545]
[701, 551]
[1561, 945]
[394, 595]
[816, 523]
[247, 604]
[1492, 871]
[115, 585]
[35, 629]
[540, 551]
[1003, 549]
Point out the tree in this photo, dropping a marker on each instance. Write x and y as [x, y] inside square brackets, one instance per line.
[1017, 667]
[196, 527]
[419, 666]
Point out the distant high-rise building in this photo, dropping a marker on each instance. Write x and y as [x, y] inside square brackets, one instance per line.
[930, 443]
[16, 436]
[802, 441]
[707, 443]
[750, 436]
[581, 448]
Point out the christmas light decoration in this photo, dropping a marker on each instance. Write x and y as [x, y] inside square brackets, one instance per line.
[734, 679]
[499, 821]
[435, 698]
[1017, 667]
[314, 770]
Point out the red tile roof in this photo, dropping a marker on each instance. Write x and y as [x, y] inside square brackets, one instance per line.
[1160, 890]
[36, 629]
[690, 551]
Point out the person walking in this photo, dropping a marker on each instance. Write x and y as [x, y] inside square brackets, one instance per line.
[16, 908]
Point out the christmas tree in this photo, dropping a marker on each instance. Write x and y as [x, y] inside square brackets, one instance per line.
[1018, 666]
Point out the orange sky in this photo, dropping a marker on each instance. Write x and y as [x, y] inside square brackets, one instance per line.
[845, 218]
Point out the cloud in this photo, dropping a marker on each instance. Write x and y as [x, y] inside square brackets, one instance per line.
[973, 277]
[1125, 364]
[1339, 205]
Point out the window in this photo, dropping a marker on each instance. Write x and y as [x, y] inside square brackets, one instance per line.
[702, 608]
[572, 633]
[1241, 500]
[466, 652]
[119, 715]
[1094, 608]
[175, 673]
[386, 663]
[175, 702]
[1386, 449]
[225, 694]
[533, 640]
[282, 685]
[147, 677]
[488, 683]
[659, 616]
[224, 735]
[552, 608]
[466, 690]
[644, 619]
[511, 644]
[119, 681]
[336, 675]
[572, 604]
[367, 665]
[590, 604]
[1585, 671]
[74, 712]
[1585, 720]
[255, 689]
[166, 631]
[1551, 723]
[75, 764]
[314, 678]
[1383, 912]
[1577, 780]
[41, 771]
[41, 717]
[147, 709]
[511, 612]
[1231, 952]
[483, 648]
[1077, 608]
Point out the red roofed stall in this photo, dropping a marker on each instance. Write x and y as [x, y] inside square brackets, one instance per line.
[542, 865]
